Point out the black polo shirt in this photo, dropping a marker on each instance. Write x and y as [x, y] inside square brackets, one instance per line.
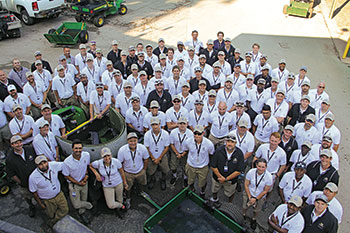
[114, 56]
[147, 67]
[16, 166]
[229, 53]
[3, 88]
[296, 116]
[157, 51]
[210, 59]
[46, 66]
[124, 69]
[290, 147]
[320, 180]
[219, 161]
[232, 61]
[164, 101]
[132, 60]
[194, 84]
[266, 78]
[326, 223]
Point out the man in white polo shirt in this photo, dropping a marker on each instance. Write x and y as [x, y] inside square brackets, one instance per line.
[134, 157]
[198, 159]
[220, 122]
[187, 100]
[44, 142]
[91, 70]
[75, 171]
[304, 155]
[44, 184]
[178, 154]
[287, 217]
[154, 112]
[123, 100]
[198, 116]
[328, 128]
[57, 127]
[157, 142]
[100, 101]
[144, 87]
[134, 116]
[84, 90]
[16, 98]
[80, 58]
[240, 114]
[326, 144]
[245, 139]
[63, 86]
[279, 107]
[295, 183]
[317, 96]
[107, 75]
[22, 125]
[306, 131]
[228, 95]
[174, 113]
[116, 86]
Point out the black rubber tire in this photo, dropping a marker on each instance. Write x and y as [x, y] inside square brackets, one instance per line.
[84, 37]
[15, 33]
[231, 211]
[52, 31]
[78, 18]
[123, 10]
[26, 19]
[99, 20]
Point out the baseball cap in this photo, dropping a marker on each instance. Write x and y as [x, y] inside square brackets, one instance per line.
[291, 75]
[261, 81]
[37, 53]
[282, 61]
[221, 53]
[242, 123]
[300, 165]
[82, 46]
[217, 64]
[266, 108]
[89, 57]
[237, 65]
[238, 51]
[310, 117]
[303, 68]
[332, 187]
[37, 62]
[131, 47]
[229, 79]
[327, 138]
[281, 91]
[180, 58]
[154, 104]
[160, 39]
[212, 93]
[296, 200]
[158, 81]
[210, 41]
[127, 84]
[131, 135]
[29, 73]
[105, 151]
[123, 53]
[275, 79]
[60, 67]
[330, 116]
[326, 101]
[178, 97]
[190, 48]
[289, 127]
[134, 67]
[15, 138]
[265, 68]
[326, 152]
[202, 82]
[180, 43]
[43, 123]
[198, 128]
[182, 120]
[162, 56]
[305, 97]
[149, 45]
[155, 120]
[248, 54]
[306, 82]
[307, 143]
[62, 57]
[142, 72]
[263, 56]
[186, 84]
[98, 50]
[115, 42]
[92, 42]
[239, 104]
[198, 101]
[99, 85]
[11, 87]
[142, 54]
[250, 76]
[15, 107]
[109, 62]
[321, 197]
[45, 106]
[231, 137]
[198, 68]
[116, 72]
[39, 159]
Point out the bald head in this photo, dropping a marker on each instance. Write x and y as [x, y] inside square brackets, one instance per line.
[222, 107]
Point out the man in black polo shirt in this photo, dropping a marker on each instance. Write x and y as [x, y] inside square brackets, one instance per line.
[194, 83]
[321, 172]
[299, 111]
[114, 54]
[161, 48]
[19, 165]
[4, 83]
[46, 64]
[161, 96]
[288, 142]
[318, 218]
[227, 164]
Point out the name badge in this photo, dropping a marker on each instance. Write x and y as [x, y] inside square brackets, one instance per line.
[225, 168]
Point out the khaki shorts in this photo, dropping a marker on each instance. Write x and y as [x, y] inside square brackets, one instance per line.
[257, 144]
[5, 133]
[216, 141]
[163, 164]
[176, 162]
[257, 207]
[201, 173]
[140, 177]
[229, 189]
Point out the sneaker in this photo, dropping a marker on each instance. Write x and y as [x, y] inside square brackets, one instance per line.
[173, 180]
[31, 211]
[253, 224]
[185, 183]
[163, 185]
[127, 203]
[216, 202]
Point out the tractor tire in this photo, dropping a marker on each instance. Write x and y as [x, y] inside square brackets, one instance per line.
[231, 211]
[52, 31]
[15, 33]
[99, 21]
[78, 18]
[311, 10]
[285, 9]
[123, 10]
[26, 19]
[84, 37]
[5, 189]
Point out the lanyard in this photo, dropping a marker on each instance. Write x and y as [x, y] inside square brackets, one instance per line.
[257, 183]
[119, 88]
[247, 66]
[321, 117]
[198, 147]
[262, 122]
[299, 83]
[133, 156]
[138, 116]
[183, 138]
[99, 62]
[20, 127]
[127, 101]
[86, 90]
[258, 97]
[268, 155]
[302, 156]
[235, 80]
[83, 58]
[238, 118]
[317, 98]
[195, 116]
[239, 138]
[284, 221]
[221, 122]
[63, 82]
[288, 89]
[16, 101]
[279, 72]
[184, 102]
[201, 97]
[154, 138]
[177, 115]
[323, 131]
[273, 94]
[295, 187]
[92, 73]
[190, 61]
[42, 77]
[218, 76]
[254, 57]
[100, 101]
[46, 178]
[210, 109]
[110, 170]
[276, 107]
[176, 83]
[227, 97]
[48, 143]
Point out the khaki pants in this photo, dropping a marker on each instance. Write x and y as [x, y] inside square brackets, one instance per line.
[216, 141]
[139, 177]
[85, 109]
[51, 97]
[258, 204]
[36, 112]
[257, 144]
[176, 162]
[56, 208]
[163, 164]
[201, 173]
[78, 196]
[114, 196]
[229, 188]
[70, 101]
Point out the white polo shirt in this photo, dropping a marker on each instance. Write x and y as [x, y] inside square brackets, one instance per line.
[70, 69]
[211, 108]
[287, 89]
[175, 86]
[216, 79]
[147, 120]
[76, 168]
[136, 118]
[197, 96]
[3, 119]
[22, 127]
[44, 77]
[274, 159]
[256, 57]
[245, 91]
[132, 161]
[333, 132]
[191, 63]
[258, 182]
[230, 98]
[196, 45]
[257, 100]
[334, 205]
[237, 81]
[166, 70]
[295, 97]
[110, 173]
[80, 61]
[36, 93]
[298, 157]
[143, 91]
[93, 74]
[293, 223]
[187, 102]
[178, 139]
[64, 86]
[55, 125]
[107, 78]
[198, 154]
[246, 143]
[198, 119]
[156, 143]
[124, 103]
[207, 69]
[236, 119]
[268, 93]
[173, 116]
[278, 110]
[134, 81]
[316, 150]
[281, 75]
[46, 184]
[101, 64]
[45, 145]
[184, 73]
[315, 99]
[220, 124]
[264, 128]
[302, 135]
[116, 89]
[153, 59]
[299, 81]
[320, 116]
[100, 102]
[22, 100]
[248, 68]
[292, 187]
[85, 91]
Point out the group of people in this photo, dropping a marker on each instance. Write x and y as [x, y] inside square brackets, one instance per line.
[193, 112]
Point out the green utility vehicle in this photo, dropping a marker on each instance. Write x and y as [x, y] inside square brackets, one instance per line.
[69, 33]
[96, 11]
[302, 8]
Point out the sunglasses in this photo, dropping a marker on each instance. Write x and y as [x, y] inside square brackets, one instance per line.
[197, 133]
[322, 87]
[176, 101]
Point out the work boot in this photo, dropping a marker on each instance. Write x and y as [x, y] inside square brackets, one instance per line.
[253, 224]
[162, 184]
[185, 183]
[150, 183]
[173, 179]
[31, 211]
